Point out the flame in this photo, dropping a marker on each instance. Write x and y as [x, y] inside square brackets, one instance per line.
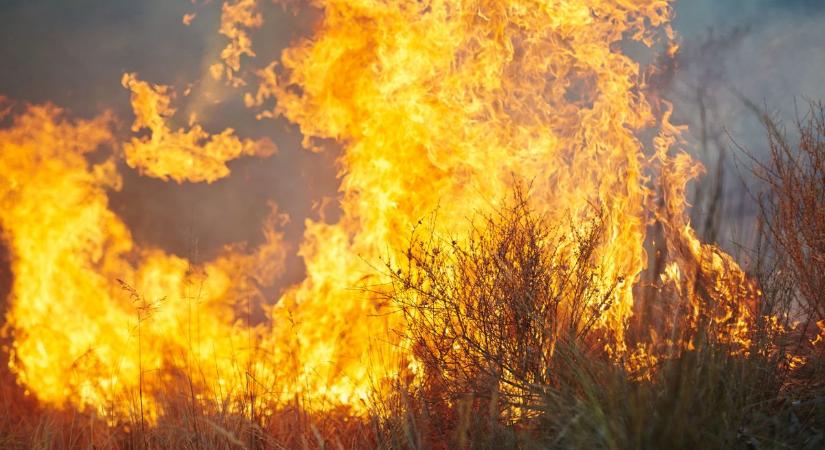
[192, 155]
[439, 105]
[717, 287]
[188, 18]
[442, 103]
[75, 330]
[237, 17]
[820, 337]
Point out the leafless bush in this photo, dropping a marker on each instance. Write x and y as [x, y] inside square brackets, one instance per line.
[793, 211]
[489, 316]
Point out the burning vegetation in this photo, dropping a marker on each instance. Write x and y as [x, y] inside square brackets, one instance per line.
[506, 173]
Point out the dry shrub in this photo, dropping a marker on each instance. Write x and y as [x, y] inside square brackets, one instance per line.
[793, 211]
[490, 317]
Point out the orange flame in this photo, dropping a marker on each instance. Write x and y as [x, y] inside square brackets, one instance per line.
[191, 155]
[237, 17]
[75, 330]
[439, 105]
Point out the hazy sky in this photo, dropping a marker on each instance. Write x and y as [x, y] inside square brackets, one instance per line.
[74, 54]
[771, 52]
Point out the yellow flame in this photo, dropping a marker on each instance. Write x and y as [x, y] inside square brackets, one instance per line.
[820, 337]
[183, 155]
[237, 17]
[717, 287]
[438, 105]
[188, 18]
[77, 337]
[446, 103]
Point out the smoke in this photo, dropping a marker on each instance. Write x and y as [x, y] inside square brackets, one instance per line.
[764, 52]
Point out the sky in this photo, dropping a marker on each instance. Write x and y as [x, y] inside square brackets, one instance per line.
[74, 53]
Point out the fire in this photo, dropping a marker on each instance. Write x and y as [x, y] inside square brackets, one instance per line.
[718, 289]
[237, 17]
[448, 103]
[75, 330]
[191, 155]
[439, 105]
